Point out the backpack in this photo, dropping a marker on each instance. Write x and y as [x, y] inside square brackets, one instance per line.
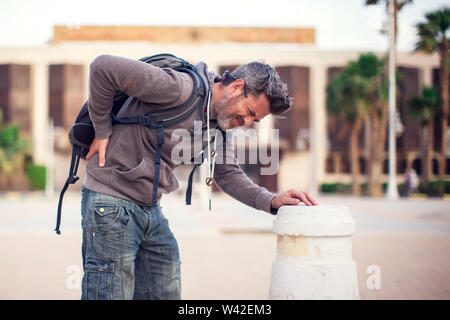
[82, 132]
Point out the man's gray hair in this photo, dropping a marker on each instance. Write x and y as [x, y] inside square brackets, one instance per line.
[262, 78]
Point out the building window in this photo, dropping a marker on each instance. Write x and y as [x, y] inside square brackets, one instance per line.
[345, 164]
[417, 165]
[330, 164]
[435, 166]
[401, 166]
[362, 165]
[386, 166]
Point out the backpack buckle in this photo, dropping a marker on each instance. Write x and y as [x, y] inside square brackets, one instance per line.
[73, 179]
[186, 64]
[147, 120]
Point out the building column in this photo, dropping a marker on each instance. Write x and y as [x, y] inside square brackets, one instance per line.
[318, 129]
[85, 81]
[427, 76]
[337, 158]
[40, 111]
[409, 160]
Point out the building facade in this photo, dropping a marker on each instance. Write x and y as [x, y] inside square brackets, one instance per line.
[51, 82]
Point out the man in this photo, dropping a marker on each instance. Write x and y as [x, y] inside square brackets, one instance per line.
[128, 248]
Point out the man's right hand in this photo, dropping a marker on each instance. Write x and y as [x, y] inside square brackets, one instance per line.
[98, 145]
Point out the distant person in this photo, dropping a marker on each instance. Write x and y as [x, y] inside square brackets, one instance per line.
[414, 182]
[128, 249]
[411, 183]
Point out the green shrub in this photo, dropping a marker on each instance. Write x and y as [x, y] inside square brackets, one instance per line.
[344, 188]
[36, 176]
[12, 148]
[328, 187]
[435, 188]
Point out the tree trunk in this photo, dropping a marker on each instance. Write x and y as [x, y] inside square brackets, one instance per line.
[396, 8]
[428, 150]
[383, 130]
[444, 99]
[354, 151]
[378, 128]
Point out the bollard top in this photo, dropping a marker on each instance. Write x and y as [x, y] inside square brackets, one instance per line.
[323, 220]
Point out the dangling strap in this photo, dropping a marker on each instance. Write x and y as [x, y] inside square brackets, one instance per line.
[158, 162]
[189, 186]
[75, 161]
[198, 161]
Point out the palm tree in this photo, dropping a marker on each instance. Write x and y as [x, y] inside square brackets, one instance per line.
[358, 92]
[425, 109]
[379, 110]
[376, 94]
[12, 149]
[433, 37]
[345, 101]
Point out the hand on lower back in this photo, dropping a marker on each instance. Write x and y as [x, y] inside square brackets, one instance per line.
[98, 146]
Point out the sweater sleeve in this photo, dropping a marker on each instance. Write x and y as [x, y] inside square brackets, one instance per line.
[232, 179]
[108, 74]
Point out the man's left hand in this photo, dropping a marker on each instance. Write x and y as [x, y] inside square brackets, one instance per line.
[293, 197]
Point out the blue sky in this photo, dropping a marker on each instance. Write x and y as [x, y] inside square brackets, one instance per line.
[339, 24]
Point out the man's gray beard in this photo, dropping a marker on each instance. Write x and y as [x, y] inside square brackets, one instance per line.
[223, 118]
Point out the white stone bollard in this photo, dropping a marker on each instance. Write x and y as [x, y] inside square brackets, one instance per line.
[314, 254]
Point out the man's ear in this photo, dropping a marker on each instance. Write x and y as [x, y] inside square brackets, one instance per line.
[238, 85]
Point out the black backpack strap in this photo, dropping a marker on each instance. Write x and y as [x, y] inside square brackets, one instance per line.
[75, 161]
[160, 119]
[191, 175]
[157, 162]
[200, 157]
[172, 116]
[189, 185]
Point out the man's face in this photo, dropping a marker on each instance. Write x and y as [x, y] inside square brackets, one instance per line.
[234, 109]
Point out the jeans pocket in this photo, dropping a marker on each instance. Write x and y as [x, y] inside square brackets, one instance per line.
[97, 280]
[106, 217]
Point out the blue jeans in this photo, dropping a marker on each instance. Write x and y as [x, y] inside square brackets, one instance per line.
[128, 250]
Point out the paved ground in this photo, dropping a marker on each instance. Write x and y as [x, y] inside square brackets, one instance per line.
[227, 253]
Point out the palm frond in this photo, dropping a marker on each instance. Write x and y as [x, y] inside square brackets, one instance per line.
[432, 33]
